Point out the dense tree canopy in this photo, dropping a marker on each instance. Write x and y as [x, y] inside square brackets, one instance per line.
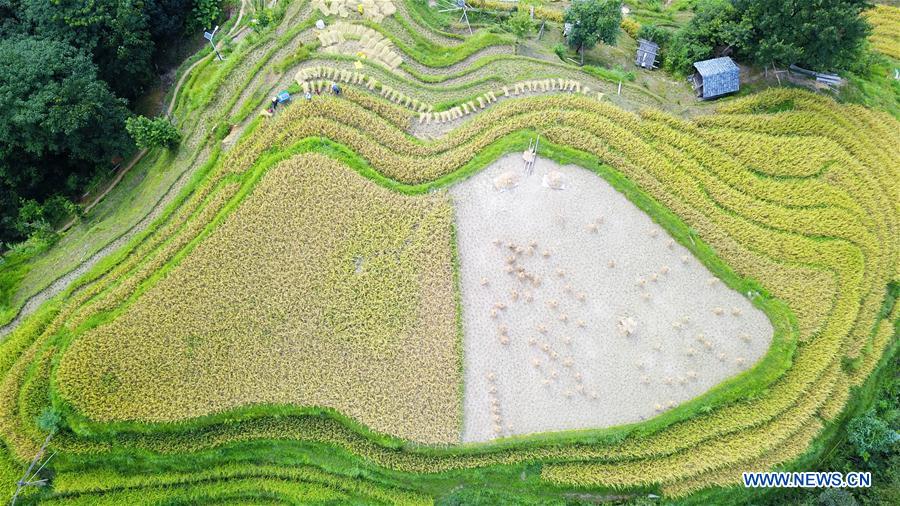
[593, 21]
[818, 34]
[58, 121]
[825, 35]
[716, 28]
[67, 68]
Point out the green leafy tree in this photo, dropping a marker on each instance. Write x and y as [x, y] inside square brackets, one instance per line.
[593, 21]
[116, 33]
[520, 24]
[659, 35]
[821, 34]
[717, 28]
[62, 65]
[37, 218]
[869, 435]
[152, 133]
[58, 123]
[205, 14]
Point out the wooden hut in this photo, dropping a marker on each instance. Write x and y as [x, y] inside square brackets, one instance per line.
[716, 77]
[646, 54]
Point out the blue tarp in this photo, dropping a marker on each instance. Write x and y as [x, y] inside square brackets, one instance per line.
[720, 76]
[283, 97]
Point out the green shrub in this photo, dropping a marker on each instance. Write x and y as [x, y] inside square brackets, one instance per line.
[656, 34]
[151, 133]
[869, 434]
[49, 420]
[520, 24]
[205, 14]
[35, 217]
[837, 497]
[560, 51]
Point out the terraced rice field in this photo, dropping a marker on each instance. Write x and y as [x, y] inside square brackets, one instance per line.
[321, 289]
[292, 326]
[885, 38]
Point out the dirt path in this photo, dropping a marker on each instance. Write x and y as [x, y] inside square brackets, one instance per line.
[134, 159]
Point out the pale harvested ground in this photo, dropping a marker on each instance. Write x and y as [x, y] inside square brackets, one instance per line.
[633, 378]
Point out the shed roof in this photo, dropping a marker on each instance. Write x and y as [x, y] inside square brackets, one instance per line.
[718, 76]
[646, 53]
[715, 66]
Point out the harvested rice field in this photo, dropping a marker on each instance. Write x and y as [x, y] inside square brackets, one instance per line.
[580, 311]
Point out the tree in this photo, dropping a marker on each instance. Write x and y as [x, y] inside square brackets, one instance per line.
[205, 13]
[593, 21]
[115, 33]
[821, 35]
[62, 65]
[58, 123]
[659, 35]
[37, 218]
[717, 28]
[152, 133]
[520, 24]
[869, 435]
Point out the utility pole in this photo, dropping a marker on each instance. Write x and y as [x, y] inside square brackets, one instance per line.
[209, 36]
[28, 479]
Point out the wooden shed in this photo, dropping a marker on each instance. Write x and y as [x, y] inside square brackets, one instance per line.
[646, 54]
[716, 77]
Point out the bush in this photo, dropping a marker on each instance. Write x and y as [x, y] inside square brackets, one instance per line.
[49, 420]
[205, 14]
[869, 434]
[35, 217]
[560, 50]
[654, 33]
[631, 27]
[151, 133]
[837, 497]
[263, 16]
[520, 24]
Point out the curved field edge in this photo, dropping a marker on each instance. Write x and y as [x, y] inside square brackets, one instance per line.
[749, 383]
[89, 477]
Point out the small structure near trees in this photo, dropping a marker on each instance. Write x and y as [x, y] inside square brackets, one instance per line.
[716, 77]
[647, 52]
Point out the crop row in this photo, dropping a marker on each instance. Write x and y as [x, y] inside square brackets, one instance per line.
[885, 21]
[319, 78]
[106, 481]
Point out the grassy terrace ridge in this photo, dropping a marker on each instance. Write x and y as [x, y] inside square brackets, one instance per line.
[786, 196]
